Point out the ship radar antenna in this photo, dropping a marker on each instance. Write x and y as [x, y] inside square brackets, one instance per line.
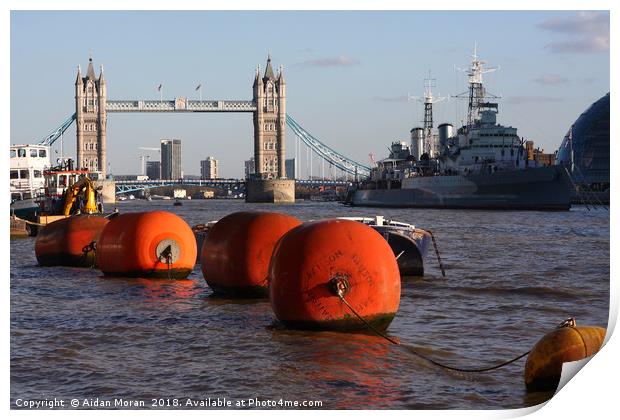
[476, 94]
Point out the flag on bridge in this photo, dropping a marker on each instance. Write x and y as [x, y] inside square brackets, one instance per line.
[199, 86]
[159, 87]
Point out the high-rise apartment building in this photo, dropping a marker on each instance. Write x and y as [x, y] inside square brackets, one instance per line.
[249, 167]
[171, 159]
[209, 168]
[153, 169]
[290, 168]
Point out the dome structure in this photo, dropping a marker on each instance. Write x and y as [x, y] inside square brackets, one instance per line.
[585, 151]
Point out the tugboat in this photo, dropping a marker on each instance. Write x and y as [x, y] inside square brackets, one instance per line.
[485, 165]
[68, 191]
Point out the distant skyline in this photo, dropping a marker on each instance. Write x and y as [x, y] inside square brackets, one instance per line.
[349, 74]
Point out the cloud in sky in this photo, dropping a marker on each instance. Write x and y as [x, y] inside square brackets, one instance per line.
[587, 32]
[551, 80]
[340, 61]
[518, 100]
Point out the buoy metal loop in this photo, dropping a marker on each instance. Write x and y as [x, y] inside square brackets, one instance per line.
[569, 322]
[168, 251]
[339, 285]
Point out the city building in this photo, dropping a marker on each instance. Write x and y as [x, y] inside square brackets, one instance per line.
[290, 165]
[153, 169]
[209, 168]
[171, 159]
[585, 152]
[538, 155]
[249, 168]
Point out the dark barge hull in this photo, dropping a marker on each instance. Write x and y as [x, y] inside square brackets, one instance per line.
[543, 188]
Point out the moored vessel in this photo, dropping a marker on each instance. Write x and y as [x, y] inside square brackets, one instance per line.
[27, 164]
[484, 165]
[409, 243]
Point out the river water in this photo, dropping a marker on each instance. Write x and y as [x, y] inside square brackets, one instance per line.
[511, 277]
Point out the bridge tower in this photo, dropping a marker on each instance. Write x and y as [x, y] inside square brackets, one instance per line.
[269, 94]
[269, 183]
[91, 119]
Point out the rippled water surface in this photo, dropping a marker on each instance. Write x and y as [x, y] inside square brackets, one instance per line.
[511, 277]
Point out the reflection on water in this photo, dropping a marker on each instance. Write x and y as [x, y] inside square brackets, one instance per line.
[511, 276]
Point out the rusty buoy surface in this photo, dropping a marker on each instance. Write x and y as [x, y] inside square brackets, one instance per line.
[235, 255]
[543, 366]
[313, 258]
[69, 241]
[155, 244]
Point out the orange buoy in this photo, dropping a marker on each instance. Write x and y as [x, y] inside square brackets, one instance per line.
[313, 259]
[543, 366]
[69, 241]
[148, 244]
[235, 255]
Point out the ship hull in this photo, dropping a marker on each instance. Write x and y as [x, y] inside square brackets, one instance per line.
[543, 188]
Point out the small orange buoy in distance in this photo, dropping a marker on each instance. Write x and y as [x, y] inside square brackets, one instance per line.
[313, 259]
[155, 244]
[236, 253]
[70, 241]
[543, 367]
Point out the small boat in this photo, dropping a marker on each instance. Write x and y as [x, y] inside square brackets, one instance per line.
[409, 244]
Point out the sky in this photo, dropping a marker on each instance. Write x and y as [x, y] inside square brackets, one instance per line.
[349, 74]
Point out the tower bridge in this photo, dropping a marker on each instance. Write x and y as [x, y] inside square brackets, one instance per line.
[268, 107]
[232, 184]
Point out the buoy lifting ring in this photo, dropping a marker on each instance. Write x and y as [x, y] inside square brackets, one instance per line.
[168, 251]
[339, 285]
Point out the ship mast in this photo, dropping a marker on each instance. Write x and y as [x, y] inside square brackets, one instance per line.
[476, 94]
[430, 144]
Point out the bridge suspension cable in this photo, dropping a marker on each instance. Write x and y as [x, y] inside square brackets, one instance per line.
[54, 135]
[327, 153]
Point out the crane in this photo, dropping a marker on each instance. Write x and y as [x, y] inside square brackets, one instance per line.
[144, 158]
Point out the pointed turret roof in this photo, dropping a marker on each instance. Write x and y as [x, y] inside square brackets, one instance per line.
[281, 75]
[269, 70]
[78, 79]
[90, 73]
[101, 79]
[256, 77]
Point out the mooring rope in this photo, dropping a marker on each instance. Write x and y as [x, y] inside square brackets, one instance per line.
[340, 287]
[443, 272]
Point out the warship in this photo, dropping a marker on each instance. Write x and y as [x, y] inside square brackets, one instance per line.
[481, 165]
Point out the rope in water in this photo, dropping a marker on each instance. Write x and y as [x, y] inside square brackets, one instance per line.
[443, 272]
[340, 287]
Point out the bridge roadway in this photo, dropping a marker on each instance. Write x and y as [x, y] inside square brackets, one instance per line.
[123, 187]
[180, 105]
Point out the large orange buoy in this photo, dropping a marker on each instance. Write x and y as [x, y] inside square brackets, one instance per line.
[235, 255]
[148, 244]
[315, 260]
[70, 241]
[543, 367]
